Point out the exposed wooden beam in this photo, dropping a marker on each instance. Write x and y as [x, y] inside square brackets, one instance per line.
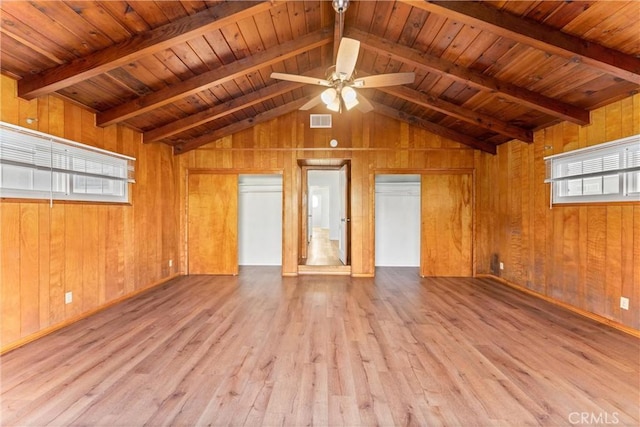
[435, 128]
[432, 63]
[137, 47]
[221, 110]
[215, 77]
[482, 120]
[236, 127]
[538, 35]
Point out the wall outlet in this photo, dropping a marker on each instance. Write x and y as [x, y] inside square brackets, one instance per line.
[170, 263]
[502, 266]
[68, 297]
[624, 303]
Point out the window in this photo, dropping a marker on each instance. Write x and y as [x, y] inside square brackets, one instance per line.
[34, 165]
[608, 172]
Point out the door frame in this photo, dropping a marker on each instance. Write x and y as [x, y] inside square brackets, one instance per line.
[304, 166]
[426, 171]
[228, 171]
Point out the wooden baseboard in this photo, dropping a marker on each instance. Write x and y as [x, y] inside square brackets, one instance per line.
[46, 331]
[585, 313]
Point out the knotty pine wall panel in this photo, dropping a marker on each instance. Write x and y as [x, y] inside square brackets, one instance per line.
[371, 142]
[100, 252]
[584, 255]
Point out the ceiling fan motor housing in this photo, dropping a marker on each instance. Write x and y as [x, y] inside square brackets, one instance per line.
[340, 5]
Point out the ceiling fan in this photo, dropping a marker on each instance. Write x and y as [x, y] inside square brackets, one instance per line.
[340, 79]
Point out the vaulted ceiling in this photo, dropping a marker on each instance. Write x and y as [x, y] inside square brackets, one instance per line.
[186, 73]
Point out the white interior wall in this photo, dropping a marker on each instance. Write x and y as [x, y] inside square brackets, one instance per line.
[328, 180]
[321, 212]
[260, 220]
[397, 220]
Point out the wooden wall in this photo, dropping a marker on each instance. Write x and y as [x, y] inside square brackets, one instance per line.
[372, 142]
[101, 253]
[586, 256]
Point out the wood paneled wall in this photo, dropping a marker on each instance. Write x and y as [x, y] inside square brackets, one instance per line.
[100, 252]
[446, 246]
[586, 256]
[372, 142]
[212, 222]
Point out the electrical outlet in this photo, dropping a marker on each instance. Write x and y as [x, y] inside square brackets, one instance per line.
[624, 303]
[170, 263]
[502, 266]
[68, 297]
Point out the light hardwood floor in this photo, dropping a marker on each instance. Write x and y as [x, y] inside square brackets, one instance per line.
[322, 250]
[260, 349]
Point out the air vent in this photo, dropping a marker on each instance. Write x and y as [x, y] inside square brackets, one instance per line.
[320, 121]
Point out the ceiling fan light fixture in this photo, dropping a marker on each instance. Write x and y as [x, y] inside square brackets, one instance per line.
[351, 103]
[349, 97]
[335, 105]
[348, 94]
[329, 96]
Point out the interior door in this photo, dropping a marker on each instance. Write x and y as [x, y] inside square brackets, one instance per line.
[447, 225]
[213, 223]
[343, 242]
[309, 216]
[304, 229]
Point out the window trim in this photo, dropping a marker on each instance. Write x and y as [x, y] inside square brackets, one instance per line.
[626, 165]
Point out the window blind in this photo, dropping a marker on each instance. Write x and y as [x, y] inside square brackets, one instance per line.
[602, 173]
[37, 165]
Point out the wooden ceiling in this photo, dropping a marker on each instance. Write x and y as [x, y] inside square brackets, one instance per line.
[186, 73]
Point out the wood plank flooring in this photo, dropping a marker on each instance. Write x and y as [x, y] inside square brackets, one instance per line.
[322, 250]
[260, 349]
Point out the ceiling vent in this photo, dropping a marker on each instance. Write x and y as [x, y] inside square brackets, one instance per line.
[320, 121]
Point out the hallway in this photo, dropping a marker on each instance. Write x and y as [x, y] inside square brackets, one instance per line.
[322, 251]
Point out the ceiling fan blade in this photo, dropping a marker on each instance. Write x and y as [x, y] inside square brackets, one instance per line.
[309, 105]
[381, 80]
[347, 57]
[363, 104]
[300, 79]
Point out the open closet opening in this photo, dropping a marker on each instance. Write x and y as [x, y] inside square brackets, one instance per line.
[260, 219]
[397, 220]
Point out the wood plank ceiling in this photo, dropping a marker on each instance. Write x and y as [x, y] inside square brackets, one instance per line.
[186, 73]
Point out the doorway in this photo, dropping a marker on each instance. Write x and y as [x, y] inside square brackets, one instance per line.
[325, 219]
[433, 209]
[233, 220]
[323, 225]
[397, 220]
[260, 219]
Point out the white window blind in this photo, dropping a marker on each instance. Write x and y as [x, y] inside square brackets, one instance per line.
[35, 165]
[608, 172]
